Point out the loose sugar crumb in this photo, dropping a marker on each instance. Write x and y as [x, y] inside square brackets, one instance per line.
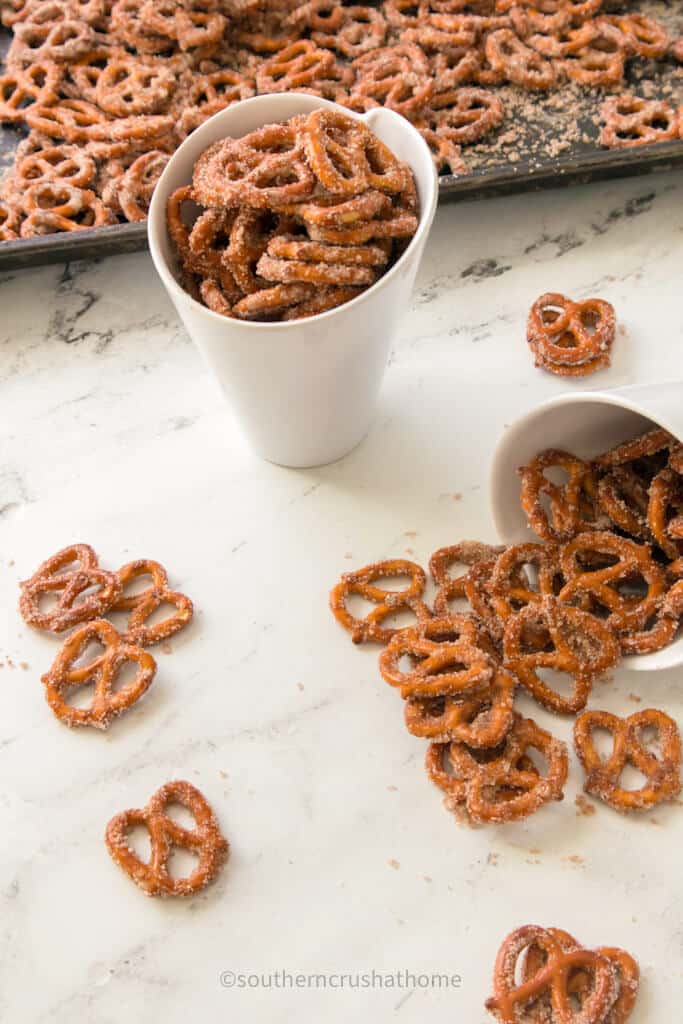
[394, 864]
[584, 807]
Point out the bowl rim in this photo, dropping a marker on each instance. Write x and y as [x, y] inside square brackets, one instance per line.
[156, 221]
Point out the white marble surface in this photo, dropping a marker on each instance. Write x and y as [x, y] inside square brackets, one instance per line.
[113, 433]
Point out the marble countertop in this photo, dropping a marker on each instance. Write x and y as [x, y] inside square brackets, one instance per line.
[343, 858]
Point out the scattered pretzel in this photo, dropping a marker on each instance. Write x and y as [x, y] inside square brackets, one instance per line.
[481, 719]
[634, 121]
[397, 77]
[663, 772]
[554, 967]
[578, 644]
[21, 88]
[388, 602]
[641, 35]
[509, 56]
[446, 657]
[205, 840]
[68, 164]
[65, 675]
[297, 66]
[70, 573]
[506, 788]
[143, 605]
[573, 336]
[10, 221]
[625, 970]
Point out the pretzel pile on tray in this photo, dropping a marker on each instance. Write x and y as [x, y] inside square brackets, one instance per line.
[293, 219]
[605, 580]
[107, 89]
[82, 594]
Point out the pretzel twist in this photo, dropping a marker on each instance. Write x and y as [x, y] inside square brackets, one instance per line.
[662, 773]
[579, 982]
[633, 121]
[205, 841]
[551, 983]
[507, 787]
[68, 574]
[565, 333]
[107, 702]
[610, 587]
[446, 656]
[388, 602]
[577, 644]
[571, 504]
[481, 719]
[143, 604]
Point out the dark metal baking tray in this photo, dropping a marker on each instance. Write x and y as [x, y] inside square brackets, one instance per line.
[577, 163]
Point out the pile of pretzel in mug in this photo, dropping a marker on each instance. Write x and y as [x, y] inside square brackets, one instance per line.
[108, 88]
[606, 580]
[293, 219]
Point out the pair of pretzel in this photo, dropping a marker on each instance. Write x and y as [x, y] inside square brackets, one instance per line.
[84, 593]
[74, 571]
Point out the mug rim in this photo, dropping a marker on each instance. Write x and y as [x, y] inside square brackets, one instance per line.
[156, 221]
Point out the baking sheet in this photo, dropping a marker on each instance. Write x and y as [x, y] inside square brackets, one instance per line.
[547, 141]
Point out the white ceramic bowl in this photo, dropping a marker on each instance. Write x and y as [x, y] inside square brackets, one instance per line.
[585, 423]
[303, 391]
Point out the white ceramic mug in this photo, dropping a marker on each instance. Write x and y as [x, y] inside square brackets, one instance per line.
[303, 391]
[584, 423]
